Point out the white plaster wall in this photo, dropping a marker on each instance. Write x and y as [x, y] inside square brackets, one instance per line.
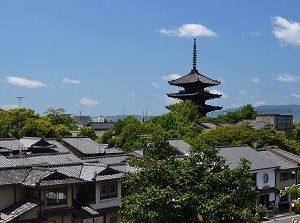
[260, 181]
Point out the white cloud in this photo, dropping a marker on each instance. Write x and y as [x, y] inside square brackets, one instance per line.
[23, 82]
[255, 34]
[214, 91]
[132, 94]
[70, 81]
[287, 32]
[296, 95]
[88, 102]
[171, 77]
[188, 30]
[9, 106]
[170, 101]
[255, 80]
[258, 103]
[287, 78]
[242, 92]
[153, 84]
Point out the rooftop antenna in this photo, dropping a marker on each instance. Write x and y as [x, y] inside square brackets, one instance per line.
[195, 57]
[19, 128]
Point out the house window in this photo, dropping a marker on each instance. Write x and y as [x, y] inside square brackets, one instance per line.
[284, 176]
[113, 219]
[108, 190]
[266, 178]
[55, 196]
[87, 220]
[99, 219]
[32, 192]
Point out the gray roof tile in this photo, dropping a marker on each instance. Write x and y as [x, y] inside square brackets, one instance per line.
[233, 154]
[8, 144]
[181, 146]
[13, 176]
[194, 77]
[31, 160]
[17, 209]
[284, 164]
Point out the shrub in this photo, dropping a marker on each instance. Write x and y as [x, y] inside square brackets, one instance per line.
[261, 211]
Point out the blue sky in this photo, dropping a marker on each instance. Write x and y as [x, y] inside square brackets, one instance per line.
[116, 57]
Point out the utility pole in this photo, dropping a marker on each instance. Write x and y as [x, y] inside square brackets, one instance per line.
[19, 128]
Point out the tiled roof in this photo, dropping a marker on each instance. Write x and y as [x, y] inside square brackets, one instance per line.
[13, 175]
[57, 212]
[101, 125]
[17, 209]
[47, 177]
[84, 144]
[109, 210]
[8, 144]
[29, 141]
[123, 168]
[288, 154]
[233, 154]
[194, 77]
[284, 164]
[193, 94]
[83, 210]
[207, 125]
[181, 146]
[31, 160]
[109, 177]
[4, 162]
[107, 159]
[89, 171]
[138, 153]
[58, 146]
[72, 170]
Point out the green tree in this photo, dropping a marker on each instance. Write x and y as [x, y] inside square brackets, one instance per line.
[248, 112]
[59, 117]
[39, 127]
[296, 131]
[13, 120]
[197, 188]
[89, 132]
[229, 135]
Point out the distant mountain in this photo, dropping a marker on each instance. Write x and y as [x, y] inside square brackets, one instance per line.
[117, 117]
[294, 109]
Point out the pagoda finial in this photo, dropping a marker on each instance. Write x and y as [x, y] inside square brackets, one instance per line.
[194, 57]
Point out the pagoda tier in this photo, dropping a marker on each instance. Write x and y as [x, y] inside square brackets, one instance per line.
[204, 109]
[182, 95]
[194, 78]
[194, 85]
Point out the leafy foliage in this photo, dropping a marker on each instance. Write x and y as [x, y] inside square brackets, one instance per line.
[24, 122]
[200, 186]
[89, 132]
[246, 112]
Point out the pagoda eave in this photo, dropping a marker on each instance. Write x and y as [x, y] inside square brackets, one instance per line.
[207, 95]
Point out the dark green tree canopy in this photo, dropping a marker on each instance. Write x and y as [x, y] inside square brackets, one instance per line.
[198, 187]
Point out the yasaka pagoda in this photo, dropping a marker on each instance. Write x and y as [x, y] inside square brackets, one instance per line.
[194, 85]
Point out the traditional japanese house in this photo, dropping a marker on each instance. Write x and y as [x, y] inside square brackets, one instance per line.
[194, 85]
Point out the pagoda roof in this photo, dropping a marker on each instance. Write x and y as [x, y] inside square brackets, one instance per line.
[193, 94]
[194, 77]
[208, 107]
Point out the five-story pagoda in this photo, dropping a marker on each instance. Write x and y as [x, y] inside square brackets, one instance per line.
[194, 85]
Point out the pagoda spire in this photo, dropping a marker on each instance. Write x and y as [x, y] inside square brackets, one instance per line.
[195, 57]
